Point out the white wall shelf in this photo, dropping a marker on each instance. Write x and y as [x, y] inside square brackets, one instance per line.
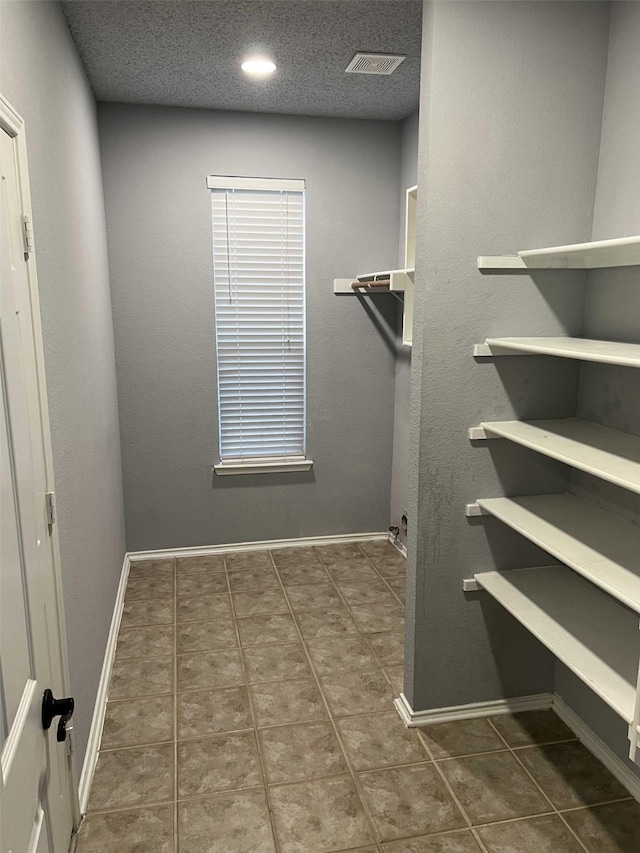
[600, 545]
[612, 455]
[391, 281]
[411, 212]
[407, 315]
[561, 610]
[621, 252]
[604, 352]
[587, 610]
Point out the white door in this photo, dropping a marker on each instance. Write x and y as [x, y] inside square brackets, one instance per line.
[38, 806]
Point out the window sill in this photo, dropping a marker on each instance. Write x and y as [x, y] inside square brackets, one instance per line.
[276, 467]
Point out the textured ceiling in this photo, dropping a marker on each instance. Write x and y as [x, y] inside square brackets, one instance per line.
[188, 53]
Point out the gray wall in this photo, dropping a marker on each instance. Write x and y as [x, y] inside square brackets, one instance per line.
[159, 224]
[408, 171]
[400, 460]
[611, 395]
[42, 77]
[510, 117]
[617, 211]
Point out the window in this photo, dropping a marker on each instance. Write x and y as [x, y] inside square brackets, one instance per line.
[259, 289]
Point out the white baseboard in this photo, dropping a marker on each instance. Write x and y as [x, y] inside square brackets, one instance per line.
[256, 546]
[595, 745]
[414, 719]
[397, 544]
[100, 707]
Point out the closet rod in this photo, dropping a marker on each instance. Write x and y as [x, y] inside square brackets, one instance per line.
[383, 282]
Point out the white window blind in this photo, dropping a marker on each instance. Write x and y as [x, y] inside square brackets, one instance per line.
[259, 287]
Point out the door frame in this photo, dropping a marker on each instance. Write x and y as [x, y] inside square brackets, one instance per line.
[12, 123]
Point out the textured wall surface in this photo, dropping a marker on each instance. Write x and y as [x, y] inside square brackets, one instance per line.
[43, 79]
[159, 225]
[509, 137]
[399, 472]
[617, 211]
[611, 395]
[408, 171]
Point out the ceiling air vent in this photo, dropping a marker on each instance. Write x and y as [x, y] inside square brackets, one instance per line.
[374, 63]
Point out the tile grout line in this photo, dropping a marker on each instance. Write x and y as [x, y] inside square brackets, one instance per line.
[365, 806]
[172, 801]
[359, 632]
[149, 625]
[539, 787]
[358, 628]
[454, 796]
[157, 657]
[153, 804]
[381, 666]
[447, 758]
[597, 805]
[551, 813]
[362, 633]
[143, 600]
[263, 771]
[445, 781]
[394, 766]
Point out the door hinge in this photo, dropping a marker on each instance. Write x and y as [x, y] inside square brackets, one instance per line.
[50, 504]
[27, 234]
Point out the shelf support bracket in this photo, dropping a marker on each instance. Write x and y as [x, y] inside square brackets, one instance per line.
[480, 434]
[501, 264]
[490, 350]
[471, 585]
[474, 509]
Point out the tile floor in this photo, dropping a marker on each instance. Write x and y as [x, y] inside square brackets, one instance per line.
[250, 711]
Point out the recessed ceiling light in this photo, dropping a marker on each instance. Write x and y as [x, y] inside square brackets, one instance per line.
[258, 67]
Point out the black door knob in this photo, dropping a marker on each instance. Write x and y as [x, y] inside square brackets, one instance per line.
[51, 708]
